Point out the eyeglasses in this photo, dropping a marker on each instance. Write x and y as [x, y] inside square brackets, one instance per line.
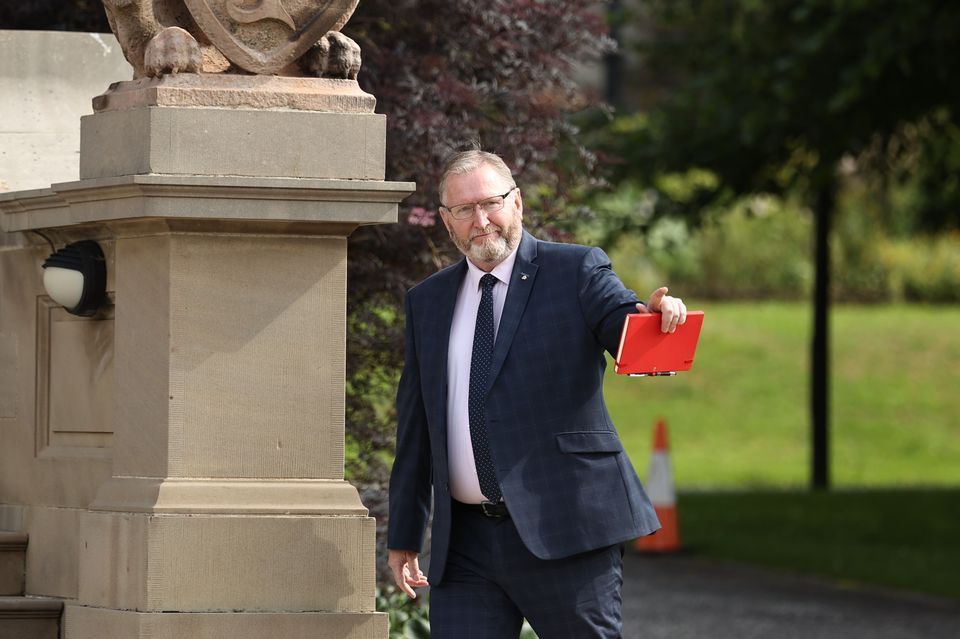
[488, 206]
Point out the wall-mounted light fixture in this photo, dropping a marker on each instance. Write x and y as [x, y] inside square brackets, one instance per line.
[76, 277]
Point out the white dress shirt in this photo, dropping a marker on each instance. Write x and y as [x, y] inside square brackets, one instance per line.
[464, 485]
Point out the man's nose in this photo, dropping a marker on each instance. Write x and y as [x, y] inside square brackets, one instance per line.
[480, 218]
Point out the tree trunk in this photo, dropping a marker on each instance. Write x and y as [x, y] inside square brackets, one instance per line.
[820, 373]
[614, 59]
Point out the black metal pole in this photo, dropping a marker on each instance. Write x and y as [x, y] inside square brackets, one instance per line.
[820, 373]
[614, 59]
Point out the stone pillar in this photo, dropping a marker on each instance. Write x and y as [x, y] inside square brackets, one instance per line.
[225, 205]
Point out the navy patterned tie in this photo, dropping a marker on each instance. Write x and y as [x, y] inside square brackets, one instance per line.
[479, 371]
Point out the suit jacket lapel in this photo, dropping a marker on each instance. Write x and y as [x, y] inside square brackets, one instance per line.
[521, 283]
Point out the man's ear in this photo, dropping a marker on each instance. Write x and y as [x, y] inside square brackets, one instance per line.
[519, 203]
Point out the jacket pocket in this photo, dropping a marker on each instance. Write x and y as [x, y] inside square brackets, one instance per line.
[589, 441]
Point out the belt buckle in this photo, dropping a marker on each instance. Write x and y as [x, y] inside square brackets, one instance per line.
[491, 509]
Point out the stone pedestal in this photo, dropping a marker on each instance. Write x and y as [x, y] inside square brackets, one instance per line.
[227, 514]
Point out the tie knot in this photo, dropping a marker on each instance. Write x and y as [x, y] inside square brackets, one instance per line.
[488, 280]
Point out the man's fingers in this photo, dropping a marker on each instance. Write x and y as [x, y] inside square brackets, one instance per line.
[666, 319]
[407, 582]
[405, 587]
[400, 567]
[674, 313]
[398, 579]
[656, 298]
[414, 565]
[415, 577]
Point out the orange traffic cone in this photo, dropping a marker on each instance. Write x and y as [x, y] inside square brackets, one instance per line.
[664, 497]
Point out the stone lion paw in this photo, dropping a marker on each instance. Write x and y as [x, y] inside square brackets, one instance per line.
[333, 56]
[173, 50]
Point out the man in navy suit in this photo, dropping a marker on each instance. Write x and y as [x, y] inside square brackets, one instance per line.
[501, 420]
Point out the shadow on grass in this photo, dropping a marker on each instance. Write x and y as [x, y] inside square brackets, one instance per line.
[902, 538]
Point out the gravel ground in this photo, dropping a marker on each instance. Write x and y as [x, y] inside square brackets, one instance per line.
[685, 597]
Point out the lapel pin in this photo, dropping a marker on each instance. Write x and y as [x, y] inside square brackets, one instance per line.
[523, 276]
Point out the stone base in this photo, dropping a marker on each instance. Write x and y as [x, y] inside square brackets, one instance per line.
[225, 563]
[81, 622]
[238, 91]
[216, 141]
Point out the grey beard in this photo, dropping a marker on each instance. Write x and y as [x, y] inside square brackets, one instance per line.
[491, 252]
[488, 252]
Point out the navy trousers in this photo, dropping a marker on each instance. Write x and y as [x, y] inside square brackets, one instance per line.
[492, 582]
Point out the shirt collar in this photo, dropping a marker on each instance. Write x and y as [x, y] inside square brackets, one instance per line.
[501, 271]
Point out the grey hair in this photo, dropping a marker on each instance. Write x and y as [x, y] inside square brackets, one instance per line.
[467, 161]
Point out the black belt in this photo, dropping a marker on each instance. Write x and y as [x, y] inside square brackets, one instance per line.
[487, 508]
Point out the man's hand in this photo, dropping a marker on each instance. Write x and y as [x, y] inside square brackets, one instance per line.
[406, 571]
[673, 309]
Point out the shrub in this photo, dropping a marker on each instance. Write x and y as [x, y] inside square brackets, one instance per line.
[761, 247]
[757, 248]
[410, 618]
[928, 268]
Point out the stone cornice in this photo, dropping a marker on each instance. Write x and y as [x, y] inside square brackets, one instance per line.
[228, 203]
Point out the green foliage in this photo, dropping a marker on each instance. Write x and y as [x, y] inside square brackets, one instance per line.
[771, 96]
[410, 618]
[371, 383]
[881, 269]
[924, 269]
[899, 538]
[932, 170]
[758, 247]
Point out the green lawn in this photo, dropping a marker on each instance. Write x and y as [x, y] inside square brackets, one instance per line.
[740, 418]
[739, 428]
[898, 538]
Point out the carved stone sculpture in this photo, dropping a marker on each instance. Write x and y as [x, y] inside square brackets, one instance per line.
[269, 37]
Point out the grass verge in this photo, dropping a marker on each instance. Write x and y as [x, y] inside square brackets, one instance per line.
[897, 538]
[740, 418]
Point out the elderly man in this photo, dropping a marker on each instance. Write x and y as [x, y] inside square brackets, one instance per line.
[501, 417]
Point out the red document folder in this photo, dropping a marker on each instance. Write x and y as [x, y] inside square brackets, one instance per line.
[644, 350]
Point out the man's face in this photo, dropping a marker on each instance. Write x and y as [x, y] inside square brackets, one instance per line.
[485, 238]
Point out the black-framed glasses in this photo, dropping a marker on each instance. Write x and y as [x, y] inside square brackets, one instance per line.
[488, 206]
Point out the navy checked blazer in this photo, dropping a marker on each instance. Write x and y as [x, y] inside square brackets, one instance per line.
[566, 479]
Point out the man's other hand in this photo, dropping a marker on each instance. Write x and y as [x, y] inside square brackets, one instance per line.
[673, 309]
[406, 571]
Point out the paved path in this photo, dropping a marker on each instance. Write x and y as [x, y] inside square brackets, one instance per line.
[691, 598]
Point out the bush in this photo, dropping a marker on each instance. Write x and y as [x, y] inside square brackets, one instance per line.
[923, 269]
[757, 248]
[761, 247]
[870, 265]
[410, 618]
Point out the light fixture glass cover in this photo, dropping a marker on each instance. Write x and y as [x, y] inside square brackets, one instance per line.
[76, 277]
[64, 285]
